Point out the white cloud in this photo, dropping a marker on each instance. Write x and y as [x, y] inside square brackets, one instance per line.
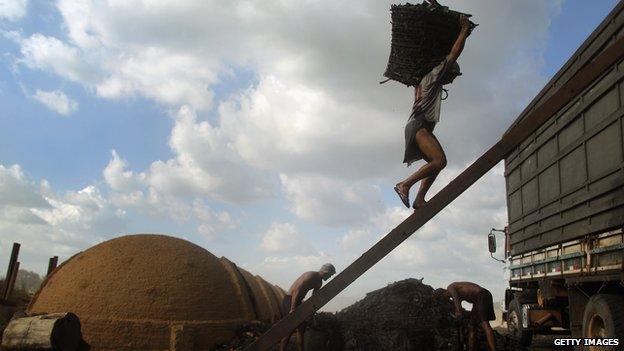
[169, 189]
[56, 101]
[205, 169]
[13, 10]
[331, 202]
[118, 178]
[17, 190]
[47, 223]
[168, 77]
[293, 127]
[284, 238]
[213, 223]
[356, 238]
[120, 70]
[51, 54]
[205, 165]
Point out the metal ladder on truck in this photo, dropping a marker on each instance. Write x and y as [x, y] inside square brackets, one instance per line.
[519, 132]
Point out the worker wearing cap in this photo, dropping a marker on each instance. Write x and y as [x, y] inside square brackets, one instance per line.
[420, 142]
[306, 282]
[482, 309]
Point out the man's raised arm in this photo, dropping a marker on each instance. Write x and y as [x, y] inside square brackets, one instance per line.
[456, 300]
[458, 47]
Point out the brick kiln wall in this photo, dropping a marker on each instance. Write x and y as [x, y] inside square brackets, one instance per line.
[130, 291]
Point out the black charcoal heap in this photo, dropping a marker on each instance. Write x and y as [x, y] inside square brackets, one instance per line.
[243, 337]
[405, 315]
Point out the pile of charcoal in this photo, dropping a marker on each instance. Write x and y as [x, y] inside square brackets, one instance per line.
[405, 315]
[323, 332]
[422, 35]
[243, 337]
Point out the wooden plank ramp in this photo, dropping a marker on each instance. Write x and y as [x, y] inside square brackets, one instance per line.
[568, 91]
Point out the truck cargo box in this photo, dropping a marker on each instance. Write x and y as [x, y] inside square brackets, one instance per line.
[566, 180]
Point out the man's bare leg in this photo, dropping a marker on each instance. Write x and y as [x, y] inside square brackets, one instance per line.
[489, 334]
[425, 184]
[471, 338]
[431, 148]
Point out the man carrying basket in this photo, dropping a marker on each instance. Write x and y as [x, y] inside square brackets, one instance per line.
[420, 142]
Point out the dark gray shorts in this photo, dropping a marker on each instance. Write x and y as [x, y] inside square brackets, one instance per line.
[483, 308]
[412, 151]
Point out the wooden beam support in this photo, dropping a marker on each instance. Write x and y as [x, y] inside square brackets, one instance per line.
[11, 282]
[581, 80]
[10, 269]
[52, 263]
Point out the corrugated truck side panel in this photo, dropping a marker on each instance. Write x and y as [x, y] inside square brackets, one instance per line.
[565, 181]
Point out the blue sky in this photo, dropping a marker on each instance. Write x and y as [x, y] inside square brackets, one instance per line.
[254, 140]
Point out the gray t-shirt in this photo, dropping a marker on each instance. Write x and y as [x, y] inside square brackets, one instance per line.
[428, 94]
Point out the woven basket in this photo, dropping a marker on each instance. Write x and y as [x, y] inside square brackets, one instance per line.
[422, 35]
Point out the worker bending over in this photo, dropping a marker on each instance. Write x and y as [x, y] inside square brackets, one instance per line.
[306, 282]
[482, 309]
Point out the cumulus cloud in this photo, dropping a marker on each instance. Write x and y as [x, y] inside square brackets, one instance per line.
[213, 223]
[177, 193]
[168, 77]
[331, 202]
[56, 101]
[293, 127]
[53, 55]
[118, 178]
[17, 190]
[284, 238]
[13, 10]
[48, 223]
[204, 166]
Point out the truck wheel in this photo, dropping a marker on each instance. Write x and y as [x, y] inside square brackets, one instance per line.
[514, 324]
[604, 318]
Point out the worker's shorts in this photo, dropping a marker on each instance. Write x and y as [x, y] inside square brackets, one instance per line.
[412, 151]
[483, 308]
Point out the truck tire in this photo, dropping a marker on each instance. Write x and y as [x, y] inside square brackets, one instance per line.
[514, 324]
[604, 318]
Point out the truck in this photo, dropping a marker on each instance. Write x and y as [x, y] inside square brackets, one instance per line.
[564, 243]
